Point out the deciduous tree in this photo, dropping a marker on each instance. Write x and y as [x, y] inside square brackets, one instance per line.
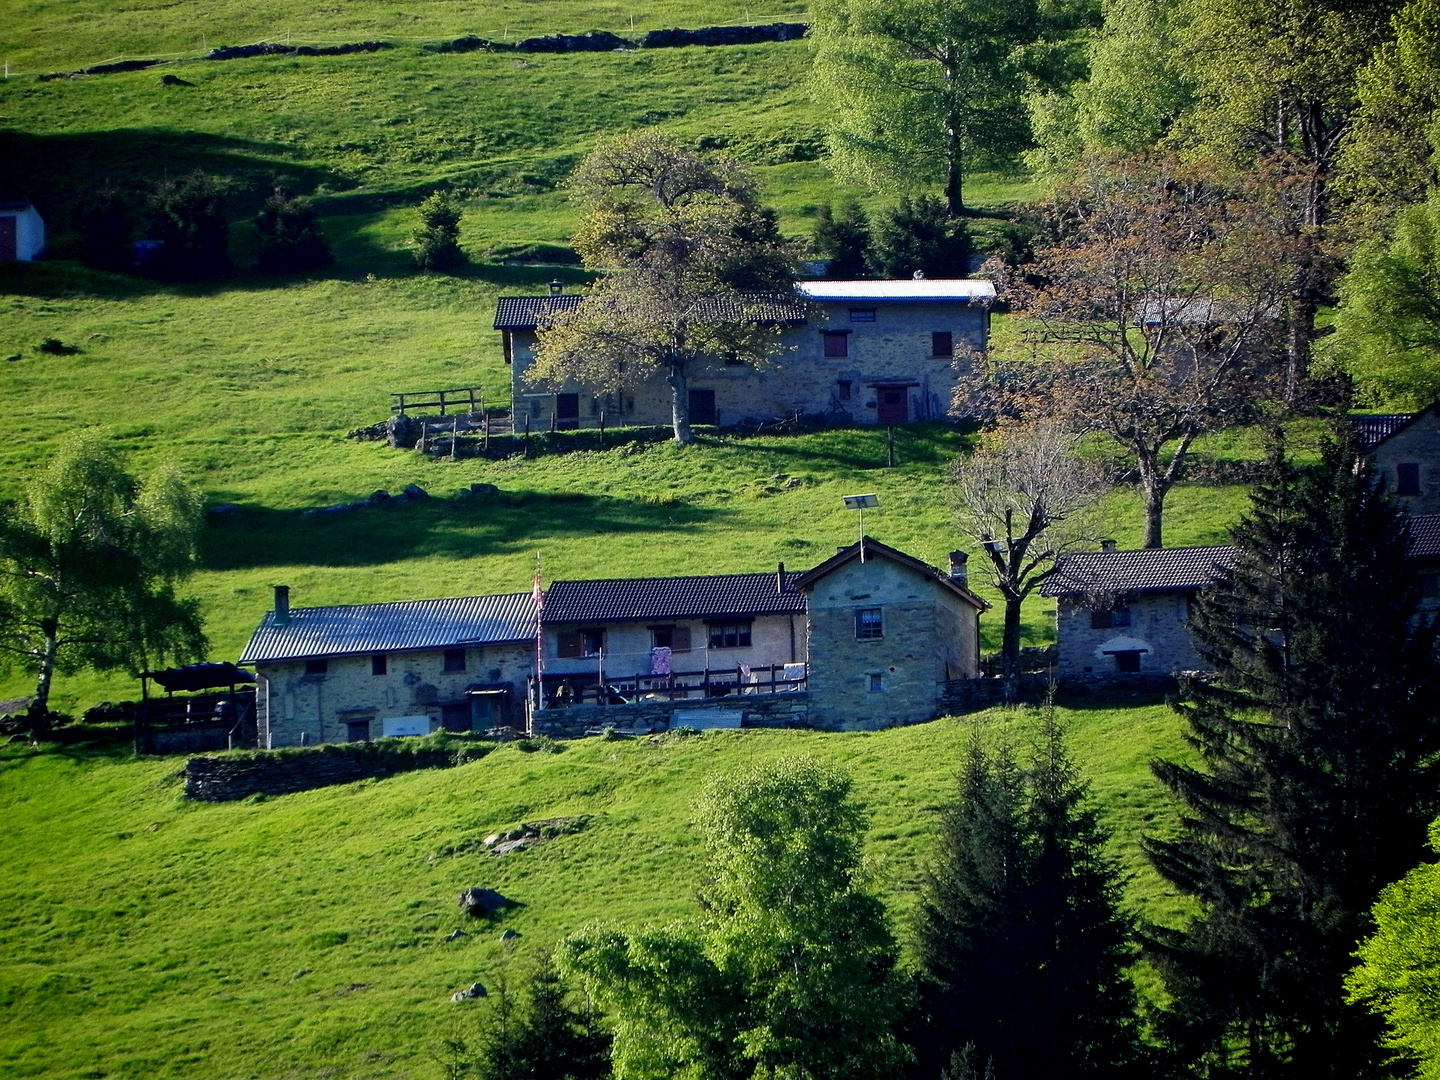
[188, 216]
[89, 561]
[693, 272]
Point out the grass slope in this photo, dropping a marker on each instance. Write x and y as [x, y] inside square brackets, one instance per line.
[142, 936]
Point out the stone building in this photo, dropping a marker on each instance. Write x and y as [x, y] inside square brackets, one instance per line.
[361, 671]
[1405, 452]
[886, 632]
[873, 352]
[1425, 550]
[1125, 613]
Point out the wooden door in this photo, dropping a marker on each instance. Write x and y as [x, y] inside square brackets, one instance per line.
[702, 406]
[567, 411]
[8, 239]
[455, 717]
[893, 404]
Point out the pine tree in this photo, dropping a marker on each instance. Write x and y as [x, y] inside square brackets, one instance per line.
[844, 239]
[920, 236]
[1316, 736]
[288, 236]
[547, 1038]
[437, 236]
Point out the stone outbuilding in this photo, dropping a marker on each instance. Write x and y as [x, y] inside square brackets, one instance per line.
[886, 632]
[1124, 613]
[1405, 453]
[867, 351]
[22, 232]
[1425, 550]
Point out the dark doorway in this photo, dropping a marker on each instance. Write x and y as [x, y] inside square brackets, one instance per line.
[357, 730]
[893, 404]
[455, 717]
[567, 412]
[702, 406]
[8, 241]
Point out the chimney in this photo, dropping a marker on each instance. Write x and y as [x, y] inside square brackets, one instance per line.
[780, 579]
[557, 287]
[282, 605]
[1107, 545]
[959, 573]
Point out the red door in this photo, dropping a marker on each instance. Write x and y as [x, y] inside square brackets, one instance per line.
[893, 404]
[7, 238]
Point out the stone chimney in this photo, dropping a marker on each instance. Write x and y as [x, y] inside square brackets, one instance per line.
[557, 287]
[1107, 545]
[780, 579]
[959, 572]
[282, 605]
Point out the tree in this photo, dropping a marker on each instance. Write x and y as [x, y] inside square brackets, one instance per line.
[89, 561]
[1023, 496]
[1315, 775]
[1022, 943]
[916, 89]
[693, 270]
[1399, 971]
[187, 215]
[288, 236]
[545, 1038]
[919, 236]
[791, 972]
[1153, 313]
[436, 238]
[104, 224]
[844, 239]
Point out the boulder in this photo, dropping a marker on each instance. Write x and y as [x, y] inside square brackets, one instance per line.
[509, 935]
[474, 990]
[455, 935]
[484, 489]
[480, 902]
[414, 492]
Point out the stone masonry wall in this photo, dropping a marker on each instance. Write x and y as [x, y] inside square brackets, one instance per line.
[1158, 623]
[1419, 444]
[225, 779]
[760, 710]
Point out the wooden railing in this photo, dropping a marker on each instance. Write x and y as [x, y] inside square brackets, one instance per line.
[471, 397]
[583, 689]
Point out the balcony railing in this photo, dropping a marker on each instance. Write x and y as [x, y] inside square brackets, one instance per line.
[584, 689]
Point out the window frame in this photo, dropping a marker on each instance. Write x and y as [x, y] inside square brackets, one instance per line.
[870, 624]
[877, 683]
[864, 315]
[379, 664]
[844, 389]
[1114, 617]
[947, 337]
[741, 630]
[835, 344]
[318, 665]
[1407, 478]
[454, 661]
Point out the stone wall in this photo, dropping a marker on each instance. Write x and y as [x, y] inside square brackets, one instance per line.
[1418, 444]
[1158, 624]
[238, 776]
[785, 710]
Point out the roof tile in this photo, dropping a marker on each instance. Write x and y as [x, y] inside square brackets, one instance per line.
[1147, 570]
[712, 596]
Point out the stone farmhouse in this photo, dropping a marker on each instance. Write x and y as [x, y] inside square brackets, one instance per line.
[1405, 451]
[1127, 612]
[867, 639]
[877, 352]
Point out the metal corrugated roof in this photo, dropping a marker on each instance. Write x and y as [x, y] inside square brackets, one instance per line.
[408, 624]
[901, 289]
[1147, 570]
[526, 312]
[712, 596]
[1425, 536]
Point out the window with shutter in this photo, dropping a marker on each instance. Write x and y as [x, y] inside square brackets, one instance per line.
[1407, 479]
[569, 644]
[837, 344]
[942, 343]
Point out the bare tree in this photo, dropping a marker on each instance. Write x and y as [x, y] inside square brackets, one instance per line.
[1027, 498]
[694, 271]
[1153, 313]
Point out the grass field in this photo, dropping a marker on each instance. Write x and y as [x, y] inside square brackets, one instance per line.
[141, 936]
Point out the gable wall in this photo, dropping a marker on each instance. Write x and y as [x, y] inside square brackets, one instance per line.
[1418, 443]
[1157, 623]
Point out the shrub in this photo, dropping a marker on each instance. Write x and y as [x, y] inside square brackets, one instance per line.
[288, 236]
[437, 238]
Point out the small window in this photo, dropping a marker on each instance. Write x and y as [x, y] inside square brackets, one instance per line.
[942, 343]
[357, 731]
[877, 684]
[317, 667]
[868, 624]
[378, 665]
[454, 659]
[1119, 615]
[837, 344]
[843, 389]
[730, 635]
[593, 641]
[1430, 586]
[862, 314]
[1128, 660]
[581, 643]
[1407, 479]
[674, 638]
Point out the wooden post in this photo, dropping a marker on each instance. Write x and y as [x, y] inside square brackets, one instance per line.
[889, 447]
[525, 446]
[487, 432]
[602, 429]
[454, 438]
[552, 421]
[402, 404]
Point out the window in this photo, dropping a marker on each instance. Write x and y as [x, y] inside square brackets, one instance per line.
[1119, 615]
[702, 406]
[730, 635]
[377, 664]
[1430, 586]
[837, 344]
[674, 638]
[1407, 479]
[1129, 660]
[877, 683]
[317, 667]
[868, 624]
[589, 642]
[862, 314]
[843, 389]
[942, 343]
[357, 730]
[454, 659]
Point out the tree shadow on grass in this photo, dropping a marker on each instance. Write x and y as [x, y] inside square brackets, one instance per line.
[863, 447]
[256, 536]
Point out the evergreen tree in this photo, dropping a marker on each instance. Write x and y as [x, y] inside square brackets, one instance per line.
[187, 215]
[1316, 737]
[1022, 943]
[288, 236]
[437, 237]
[844, 239]
[546, 1038]
[919, 235]
[104, 224]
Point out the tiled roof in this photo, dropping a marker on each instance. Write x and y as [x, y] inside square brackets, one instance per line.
[874, 549]
[1425, 536]
[525, 312]
[1376, 429]
[410, 624]
[712, 596]
[901, 289]
[1147, 570]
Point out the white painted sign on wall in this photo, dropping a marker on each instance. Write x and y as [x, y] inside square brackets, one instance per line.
[393, 726]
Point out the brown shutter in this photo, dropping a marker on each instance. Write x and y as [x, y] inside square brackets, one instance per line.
[680, 639]
[571, 645]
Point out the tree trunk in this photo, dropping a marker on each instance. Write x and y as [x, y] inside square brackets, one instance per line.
[679, 404]
[39, 714]
[954, 152]
[1155, 491]
[1010, 649]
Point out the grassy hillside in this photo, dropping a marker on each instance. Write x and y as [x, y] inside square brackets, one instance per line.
[141, 936]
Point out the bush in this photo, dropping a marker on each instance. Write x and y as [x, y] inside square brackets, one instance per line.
[104, 224]
[437, 238]
[920, 235]
[288, 236]
[187, 216]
